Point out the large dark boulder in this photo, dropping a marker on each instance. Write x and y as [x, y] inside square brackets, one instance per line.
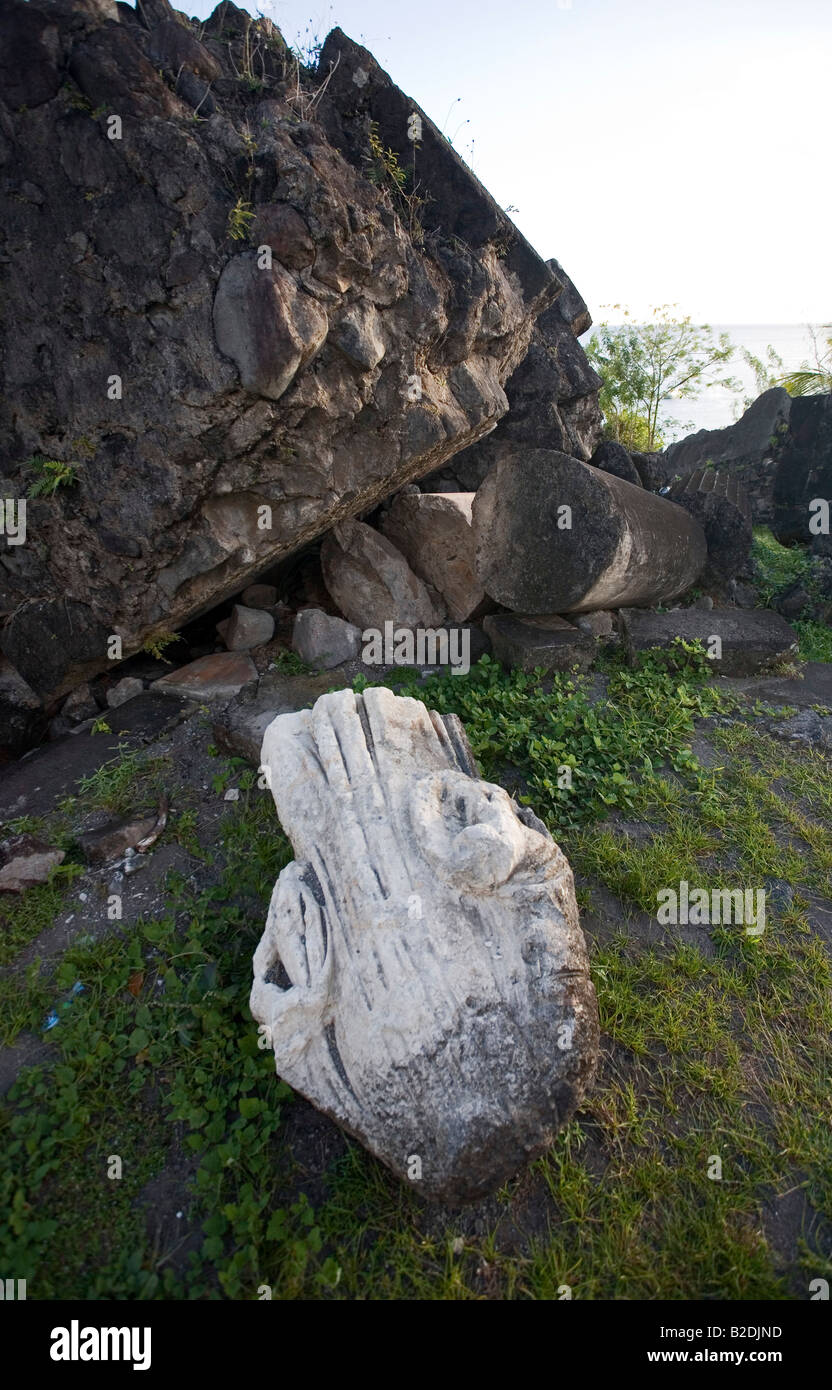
[748, 450]
[44, 638]
[612, 457]
[651, 469]
[214, 412]
[552, 396]
[31, 56]
[20, 710]
[804, 475]
[720, 504]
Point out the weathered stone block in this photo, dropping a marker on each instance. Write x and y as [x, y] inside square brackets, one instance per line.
[535, 641]
[720, 504]
[750, 640]
[247, 628]
[433, 532]
[371, 581]
[323, 640]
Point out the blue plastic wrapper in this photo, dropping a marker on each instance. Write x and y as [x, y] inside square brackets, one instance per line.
[53, 1017]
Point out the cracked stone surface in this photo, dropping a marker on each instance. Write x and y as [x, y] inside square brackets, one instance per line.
[422, 976]
[232, 336]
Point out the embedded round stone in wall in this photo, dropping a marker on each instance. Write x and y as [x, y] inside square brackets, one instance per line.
[281, 227]
[266, 324]
[358, 336]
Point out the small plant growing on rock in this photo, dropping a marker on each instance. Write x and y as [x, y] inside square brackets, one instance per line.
[308, 47]
[385, 169]
[305, 103]
[51, 474]
[76, 99]
[154, 645]
[240, 219]
[252, 68]
[290, 664]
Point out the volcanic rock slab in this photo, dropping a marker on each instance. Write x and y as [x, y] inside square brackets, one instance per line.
[217, 677]
[720, 504]
[226, 330]
[422, 976]
[750, 640]
[550, 643]
[748, 441]
[803, 481]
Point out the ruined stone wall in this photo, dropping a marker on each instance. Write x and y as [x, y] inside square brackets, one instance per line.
[225, 326]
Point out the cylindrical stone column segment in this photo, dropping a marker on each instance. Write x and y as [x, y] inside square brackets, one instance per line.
[554, 535]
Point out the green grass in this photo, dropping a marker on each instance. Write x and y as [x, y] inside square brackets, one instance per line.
[815, 640]
[290, 664]
[131, 782]
[776, 567]
[525, 729]
[136, 1067]
[24, 1002]
[24, 916]
[725, 1054]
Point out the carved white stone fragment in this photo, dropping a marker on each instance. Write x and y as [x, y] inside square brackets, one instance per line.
[422, 975]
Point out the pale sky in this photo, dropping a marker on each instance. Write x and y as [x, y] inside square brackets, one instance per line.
[665, 151]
